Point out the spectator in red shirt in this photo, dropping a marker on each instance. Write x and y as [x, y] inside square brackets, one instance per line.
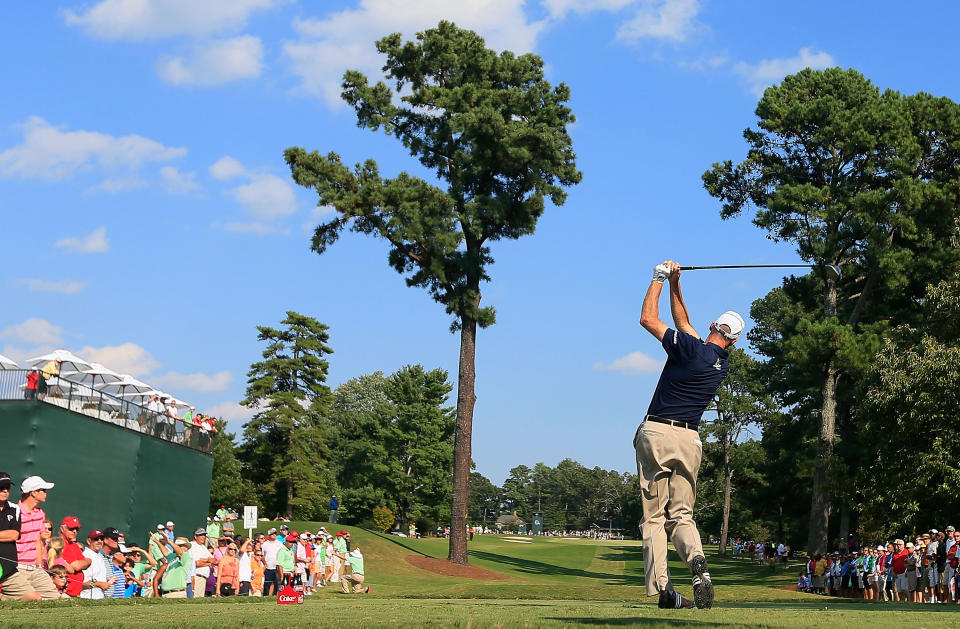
[899, 562]
[73, 555]
[33, 378]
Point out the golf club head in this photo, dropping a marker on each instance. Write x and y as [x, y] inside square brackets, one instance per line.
[833, 272]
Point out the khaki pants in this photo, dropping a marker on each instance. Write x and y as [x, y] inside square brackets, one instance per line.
[199, 586]
[355, 579]
[15, 587]
[668, 461]
[40, 581]
[177, 594]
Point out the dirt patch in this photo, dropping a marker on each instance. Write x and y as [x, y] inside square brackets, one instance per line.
[448, 569]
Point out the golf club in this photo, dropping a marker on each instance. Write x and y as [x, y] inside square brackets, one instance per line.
[833, 271]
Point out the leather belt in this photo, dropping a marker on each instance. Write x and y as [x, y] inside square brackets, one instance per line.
[671, 422]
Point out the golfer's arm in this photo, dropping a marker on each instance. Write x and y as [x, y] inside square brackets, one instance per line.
[681, 318]
[650, 314]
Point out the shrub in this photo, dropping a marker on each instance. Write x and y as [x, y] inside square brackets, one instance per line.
[383, 518]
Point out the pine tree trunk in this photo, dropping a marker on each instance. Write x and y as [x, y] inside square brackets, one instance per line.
[290, 498]
[727, 491]
[820, 502]
[466, 399]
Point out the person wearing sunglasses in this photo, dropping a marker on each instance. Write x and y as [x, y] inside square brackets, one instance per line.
[13, 583]
[33, 493]
[73, 555]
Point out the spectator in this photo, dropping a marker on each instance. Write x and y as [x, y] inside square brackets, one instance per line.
[282, 535]
[47, 372]
[286, 563]
[171, 579]
[144, 567]
[334, 509]
[356, 575]
[339, 556]
[228, 573]
[160, 546]
[202, 560]
[33, 493]
[913, 558]
[169, 530]
[13, 585]
[33, 379]
[76, 561]
[120, 583]
[226, 523]
[55, 554]
[245, 568]
[96, 580]
[58, 574]
[222, 512]
[271, 548]
[213, 530]
[899, 564]
[43, 544]
[257, 570]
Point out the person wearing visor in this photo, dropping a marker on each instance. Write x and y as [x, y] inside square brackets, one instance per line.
[667, 443]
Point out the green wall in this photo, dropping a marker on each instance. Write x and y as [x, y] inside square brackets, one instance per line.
[105, 474]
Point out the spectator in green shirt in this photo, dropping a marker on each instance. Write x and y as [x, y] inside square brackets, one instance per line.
[286, 562]
[355, 576]
[213, 530]
[172, 576]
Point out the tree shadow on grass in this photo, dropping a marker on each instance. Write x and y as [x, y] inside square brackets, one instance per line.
[530, 566]
[637, 621]
[393, 539]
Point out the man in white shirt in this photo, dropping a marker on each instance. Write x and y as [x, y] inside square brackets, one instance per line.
[948, 572]
[202, 560]
[270, 549]
[95, 578]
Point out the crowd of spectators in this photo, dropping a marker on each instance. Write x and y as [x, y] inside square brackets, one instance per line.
[39, 561]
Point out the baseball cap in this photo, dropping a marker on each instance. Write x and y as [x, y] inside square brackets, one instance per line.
[733, 321]
[170, 523]
[284, 527]
[200, 531]
[272, 531]
[34, 483]
[123, 548]
[5, 481]
[182, 541]
[71, 521]
[880, 548]
[950, 529]
[112, 533]
[292, 535]
[934, 531]
[909, 544]
[95, 533]
[160, 527]
[216, 518]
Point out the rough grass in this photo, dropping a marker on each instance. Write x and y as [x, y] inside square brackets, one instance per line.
[552, 582]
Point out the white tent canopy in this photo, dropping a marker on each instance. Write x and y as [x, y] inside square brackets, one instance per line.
[6, 363]
[69, 360]
[95, 374]
[126, 383]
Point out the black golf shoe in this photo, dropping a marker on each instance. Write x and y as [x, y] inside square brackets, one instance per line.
[672, 600]
[702, 585]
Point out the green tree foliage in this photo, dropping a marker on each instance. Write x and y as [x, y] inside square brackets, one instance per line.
[393, 439]
[495, 133]
[229, 485]
[485, 500]
[383, 518]
[910, 421]
[285, 441]
[741, 402]
[857, 178]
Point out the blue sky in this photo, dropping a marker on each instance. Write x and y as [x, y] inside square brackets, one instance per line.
[151, 223]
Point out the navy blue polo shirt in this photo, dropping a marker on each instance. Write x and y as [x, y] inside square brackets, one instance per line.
[690, 379]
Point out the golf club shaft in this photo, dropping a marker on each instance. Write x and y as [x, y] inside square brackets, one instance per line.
[749, 266]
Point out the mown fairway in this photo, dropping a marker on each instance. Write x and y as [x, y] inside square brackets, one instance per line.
[550, 582]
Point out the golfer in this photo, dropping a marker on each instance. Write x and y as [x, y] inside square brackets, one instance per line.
[667, 442]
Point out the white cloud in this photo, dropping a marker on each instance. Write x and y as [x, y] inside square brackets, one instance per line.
[316, 214]
[227, 168]
[632, 364]
[153, 19]
[119, 184]
[215, 63]
[230, 411]
[266, 196]
[762, 75]
[661, 19]
[193, 381]
[64, 287]
[33, 331]
[176, 182]
[558, 9]
[126, 358]
[94, 242]
[344, 40]
[51, 153]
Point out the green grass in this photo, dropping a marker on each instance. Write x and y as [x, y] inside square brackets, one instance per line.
[551, 582]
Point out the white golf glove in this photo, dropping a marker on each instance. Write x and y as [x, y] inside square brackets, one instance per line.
[660, 273]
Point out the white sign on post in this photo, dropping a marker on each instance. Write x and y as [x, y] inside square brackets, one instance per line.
[250, 519]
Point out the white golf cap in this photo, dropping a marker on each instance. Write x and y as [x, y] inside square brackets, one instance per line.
[34, 483]
[159, 527]
[733, 321]
[170, 523]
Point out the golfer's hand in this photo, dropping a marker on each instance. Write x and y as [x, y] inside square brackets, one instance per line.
[675, 271]
[660, 273]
